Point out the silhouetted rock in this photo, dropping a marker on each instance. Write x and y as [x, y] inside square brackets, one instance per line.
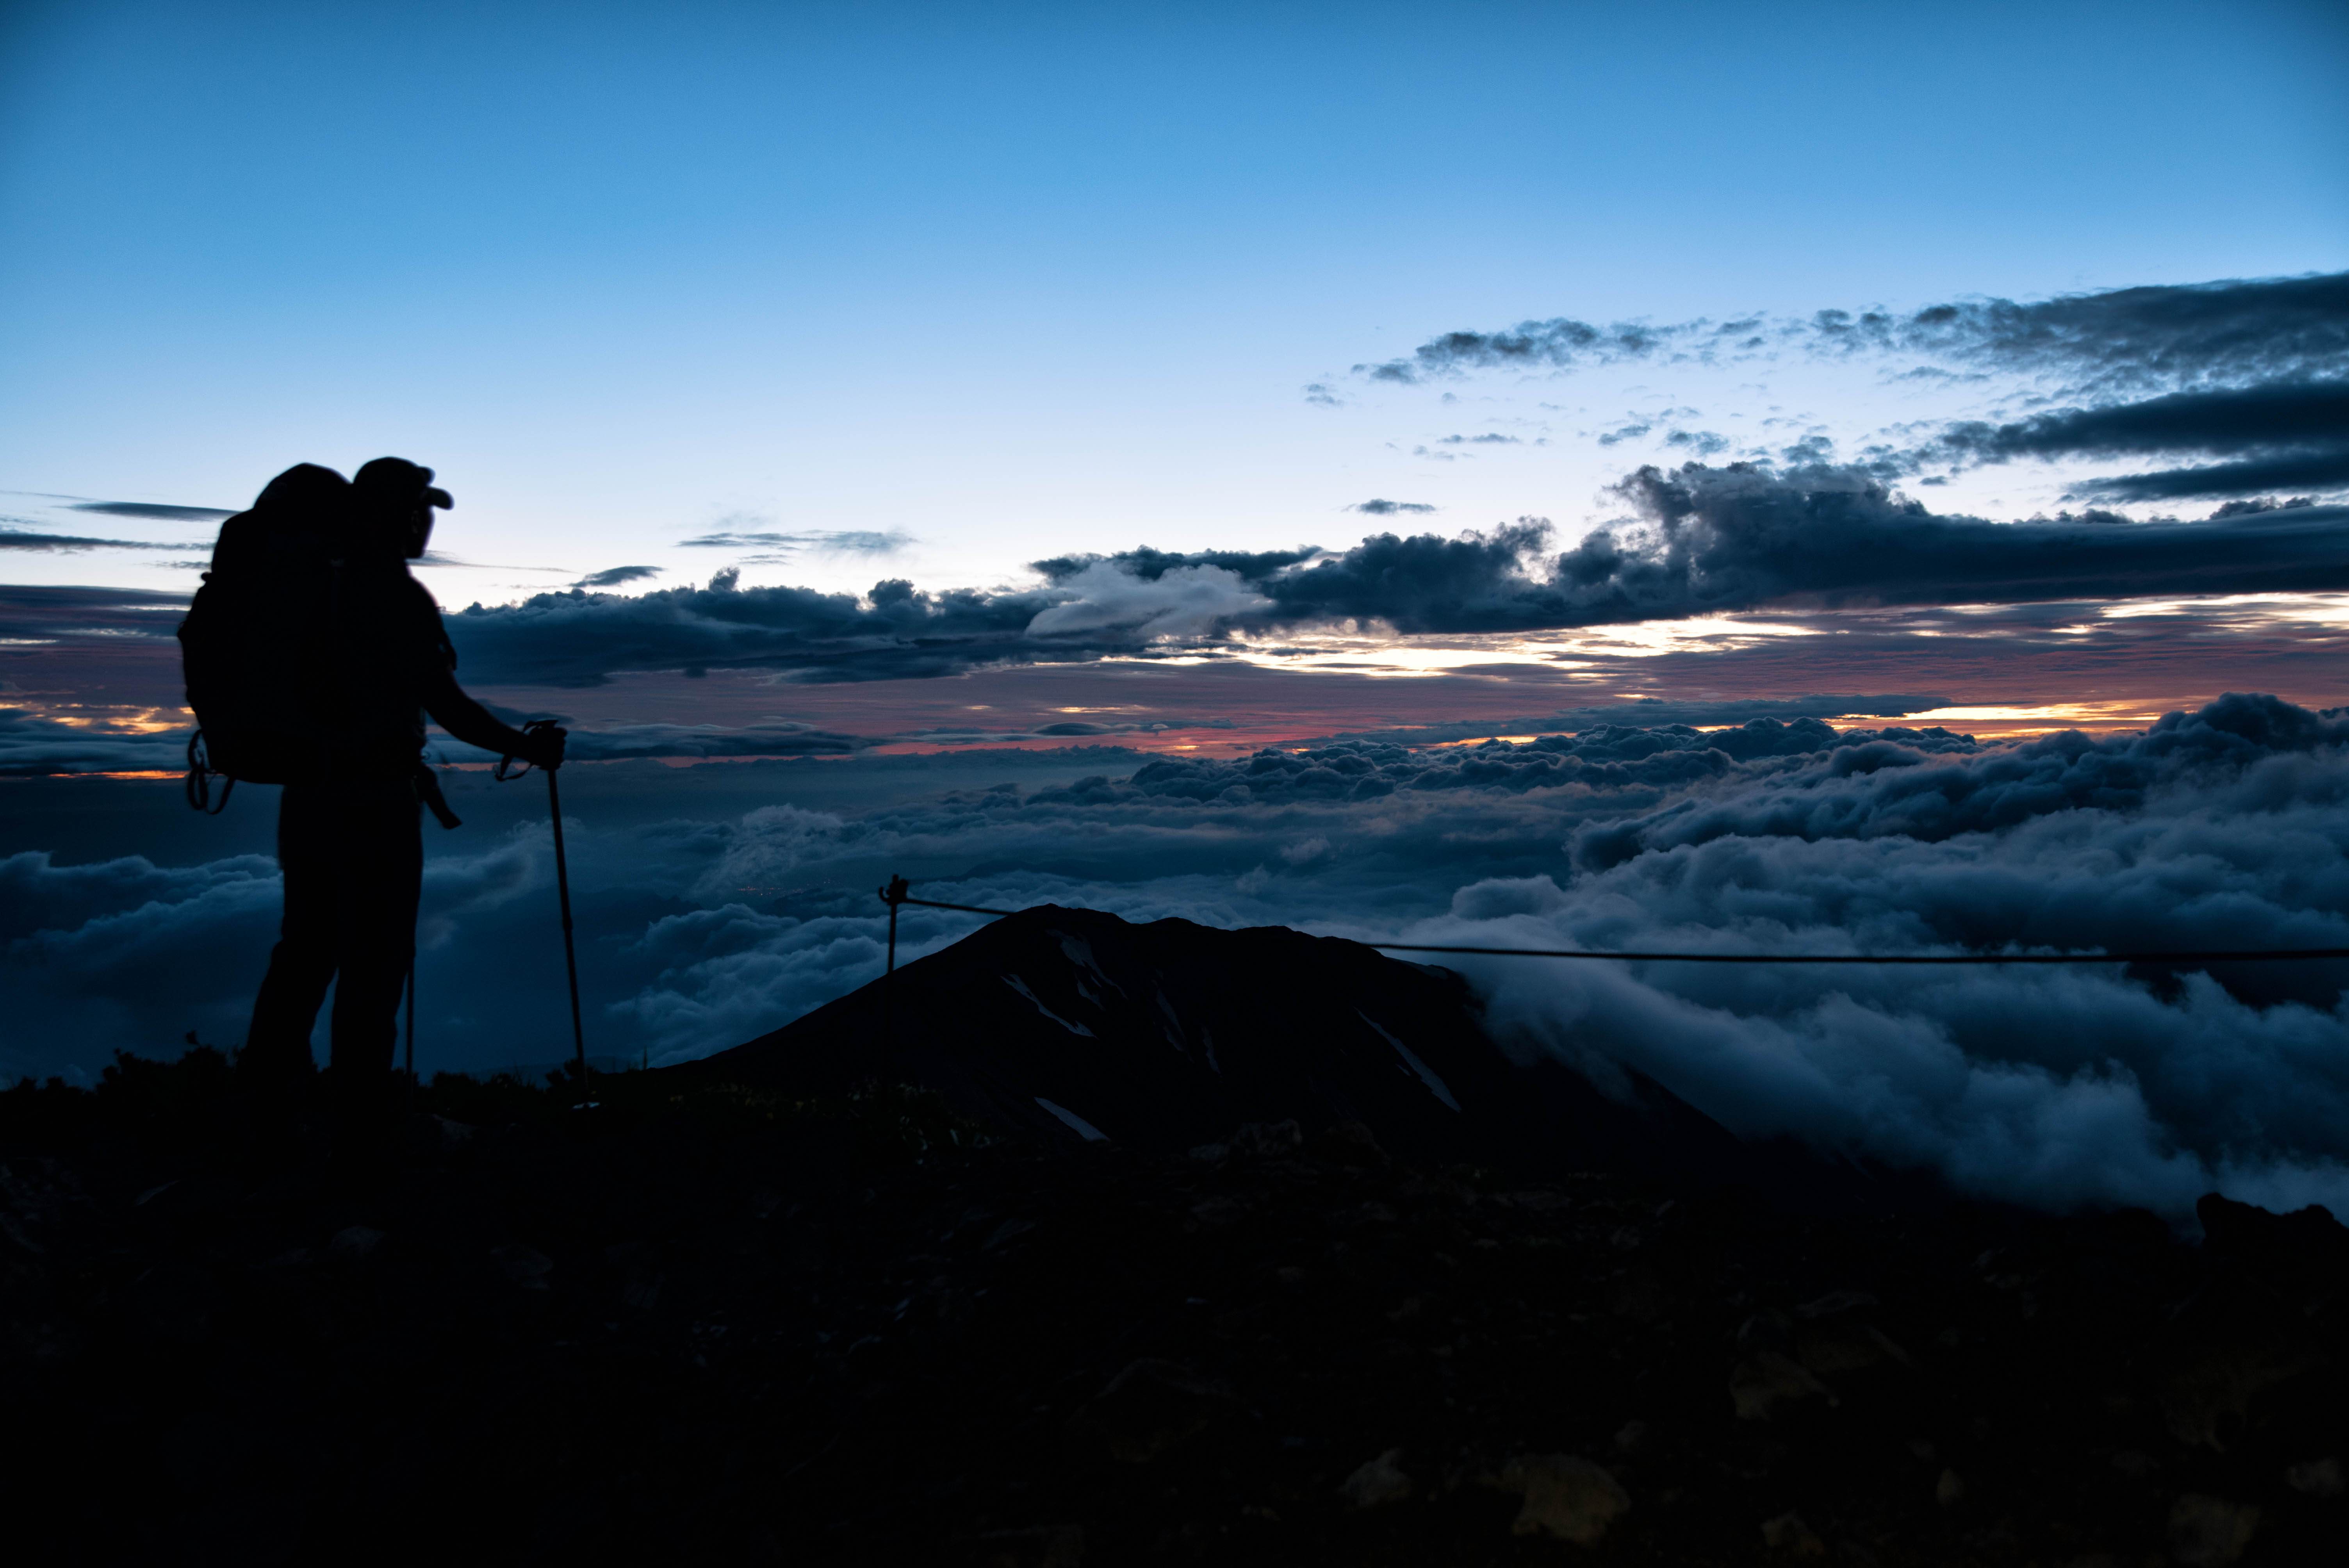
[2209, 1532]
[2306, 1242]
[1567, 1497]
[1378, 1480]
[2317, 1477]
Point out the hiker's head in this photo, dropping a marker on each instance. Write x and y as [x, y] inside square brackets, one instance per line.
[395, 502]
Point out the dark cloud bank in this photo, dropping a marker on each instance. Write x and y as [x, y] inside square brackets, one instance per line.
[822, 542]
[2234, 392]
[2276, 436]
[2136, 338]
[1694, 540]
[2255, 372]
[615, 576]
[153, 511]
[32, 745]
[74, 543]
[15, 537]
[704, 926]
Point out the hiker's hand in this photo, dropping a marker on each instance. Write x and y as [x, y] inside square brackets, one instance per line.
[545, 746]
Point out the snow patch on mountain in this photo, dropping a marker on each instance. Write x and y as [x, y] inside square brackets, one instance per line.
[1020, 986]
[1435, 1084]
[1077, 1124]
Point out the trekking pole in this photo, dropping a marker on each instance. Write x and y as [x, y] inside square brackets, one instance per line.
[411, 1021]
[893, 895]
[562, 893]
[570, 953]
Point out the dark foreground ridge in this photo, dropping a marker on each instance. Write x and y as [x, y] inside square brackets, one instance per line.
[708, 1322]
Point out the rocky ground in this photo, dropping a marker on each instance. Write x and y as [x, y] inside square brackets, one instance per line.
[713, 1325]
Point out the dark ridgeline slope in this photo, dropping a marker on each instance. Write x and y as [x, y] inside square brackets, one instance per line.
[1167, 1036]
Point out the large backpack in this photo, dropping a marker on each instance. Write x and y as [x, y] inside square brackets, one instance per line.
[302, 650]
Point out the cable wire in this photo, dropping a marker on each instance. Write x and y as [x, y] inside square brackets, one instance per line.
[2255, 956]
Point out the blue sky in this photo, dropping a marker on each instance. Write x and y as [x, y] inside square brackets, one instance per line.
[1010, 281]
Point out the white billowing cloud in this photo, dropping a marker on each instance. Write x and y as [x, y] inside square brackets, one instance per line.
[1182, 602]
[1305, 852]
[2063, 1115]
[761, 855]
[730, 973]
[126, 954]
[469, 892]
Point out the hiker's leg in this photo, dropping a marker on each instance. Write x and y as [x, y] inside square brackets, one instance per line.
[277, 1044]
[383, 870]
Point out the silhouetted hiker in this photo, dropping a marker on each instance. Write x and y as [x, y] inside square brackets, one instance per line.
[312, 657]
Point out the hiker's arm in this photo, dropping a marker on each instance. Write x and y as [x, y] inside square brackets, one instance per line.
[475, 725]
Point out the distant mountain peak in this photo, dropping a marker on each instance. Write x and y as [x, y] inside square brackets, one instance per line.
[1072, 1026]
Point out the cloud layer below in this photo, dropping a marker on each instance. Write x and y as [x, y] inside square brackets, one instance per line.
[2061, 1087]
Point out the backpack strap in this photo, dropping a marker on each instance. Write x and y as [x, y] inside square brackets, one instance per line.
[201, 774]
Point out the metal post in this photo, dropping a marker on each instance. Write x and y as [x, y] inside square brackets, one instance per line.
[570, 957]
